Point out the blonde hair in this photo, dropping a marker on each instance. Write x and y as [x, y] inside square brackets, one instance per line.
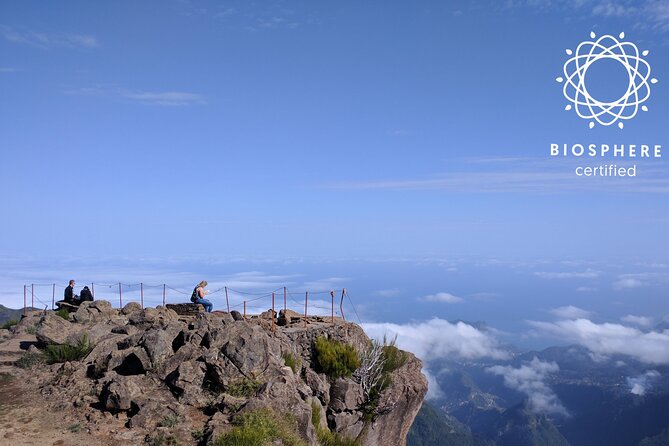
[203, 284]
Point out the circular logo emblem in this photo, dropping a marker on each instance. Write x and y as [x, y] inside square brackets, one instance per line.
[605, 112]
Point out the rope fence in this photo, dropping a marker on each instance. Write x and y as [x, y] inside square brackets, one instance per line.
[305, 303]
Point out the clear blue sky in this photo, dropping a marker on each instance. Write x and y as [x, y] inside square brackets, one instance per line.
[317, 129]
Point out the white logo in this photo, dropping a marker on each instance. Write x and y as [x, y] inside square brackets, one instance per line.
[576, 91]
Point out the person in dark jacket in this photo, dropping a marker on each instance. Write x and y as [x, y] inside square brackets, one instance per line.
[69, 296]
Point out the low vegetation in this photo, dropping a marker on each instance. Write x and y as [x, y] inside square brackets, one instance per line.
[291, 361]
[260, 428]
[375, 373]
[9, 324]
[170, 420]
[30, 360]
[335, 359]
[325, 436]
[245, 387]
[66, 352]
[63, 313]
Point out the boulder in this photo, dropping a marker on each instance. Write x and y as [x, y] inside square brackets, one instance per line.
[186, 309]
[131, 307]
[53, 329]
[236, 315]
[345, 394]
[121, 392]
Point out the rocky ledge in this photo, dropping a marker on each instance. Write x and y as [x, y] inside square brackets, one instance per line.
[190, 378]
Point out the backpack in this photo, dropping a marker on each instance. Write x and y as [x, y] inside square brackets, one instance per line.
[194, 296]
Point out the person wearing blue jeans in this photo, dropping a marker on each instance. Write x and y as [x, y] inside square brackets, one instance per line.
[198, 296]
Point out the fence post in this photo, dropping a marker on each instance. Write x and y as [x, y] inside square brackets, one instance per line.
[120, 296]
[272, 310]
[341, 303]
[32, 295]
[332, 296]
[244, 310]
[141, 293]
[93, 290]
[24, 300]
[306, 301]
[227, 302]
[284, 300]
[164, 292]
[53, 297]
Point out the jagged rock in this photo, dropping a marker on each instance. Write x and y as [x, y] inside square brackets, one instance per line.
[132, 361]
[158, 342]
[236, 315]
[131, 307]
[54, 329]
[318, 384]
[186, 309]
[121, 392]
[99, 310]
[150, 316]
[287, 317]
[350, 424]
[399, 405]
[345, 394]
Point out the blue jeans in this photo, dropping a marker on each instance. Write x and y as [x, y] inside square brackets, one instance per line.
[208, 306]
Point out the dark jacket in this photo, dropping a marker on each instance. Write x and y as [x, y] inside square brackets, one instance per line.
[69, 296]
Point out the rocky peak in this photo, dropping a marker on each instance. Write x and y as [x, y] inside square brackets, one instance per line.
[208, 370]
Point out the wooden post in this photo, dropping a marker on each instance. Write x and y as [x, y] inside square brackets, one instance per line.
[120, 295]
[93, 290]
[284, 300]
[24, 300]
[227, 302]
[164, 294]
[272, 310]
[332, 296]
[341, 303]
[244, 310]
[306, 301]
[32, 295]
[141, 293]
[53, 297]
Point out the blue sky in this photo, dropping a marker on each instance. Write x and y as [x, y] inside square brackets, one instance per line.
[324, 131]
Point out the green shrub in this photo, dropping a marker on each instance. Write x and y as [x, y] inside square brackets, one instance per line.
[74, 428]
[161, 439]
[315, 414]
[334, 358]
[291, 361]
[197, 434]
[245, 387]
[170, 420]
[32, 329]
[261, 427]
[30, 360]
[66, 352]
[63, 313]
[329, 438]
[392, 359]
[9, 324]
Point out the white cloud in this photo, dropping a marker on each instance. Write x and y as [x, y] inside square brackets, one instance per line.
[442, 297]
[46, 40]
[627, 283]
[612, 9]
[610, 339]
[394, 292]
[438, 338]
[165, 98]
[641, 384]
[587, 274]
[530, 379]
[434, 391]
[570, 312]
[642, 321]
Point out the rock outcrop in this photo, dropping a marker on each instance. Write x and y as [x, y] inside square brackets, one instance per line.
[151, 365]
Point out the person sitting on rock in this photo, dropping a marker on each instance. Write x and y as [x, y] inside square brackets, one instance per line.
[68, 296]
[198, 296]
[86, 295]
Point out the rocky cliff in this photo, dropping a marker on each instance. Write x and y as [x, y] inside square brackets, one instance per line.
[191, 379]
